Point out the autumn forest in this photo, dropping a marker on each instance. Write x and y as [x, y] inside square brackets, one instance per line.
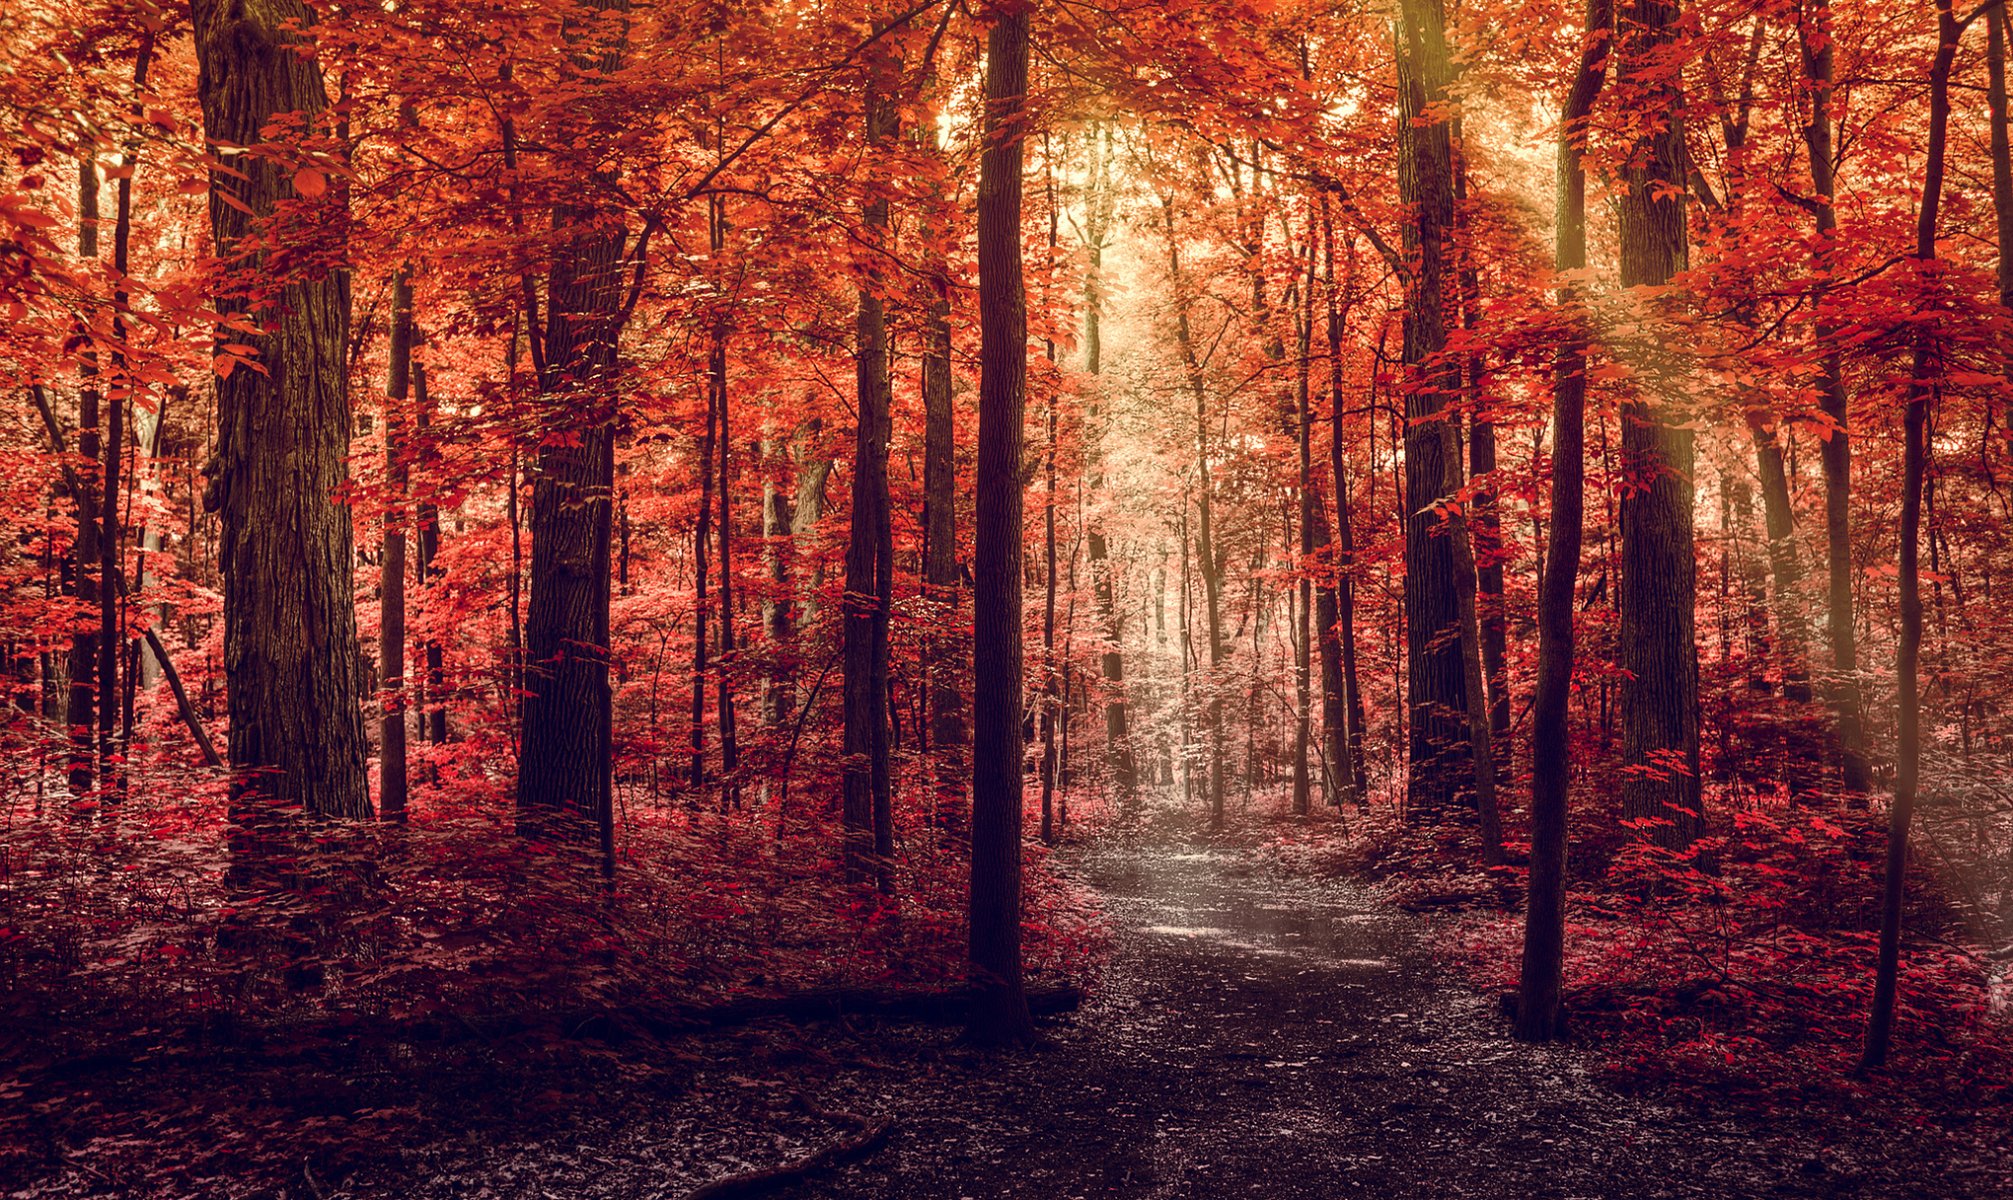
[914, 598]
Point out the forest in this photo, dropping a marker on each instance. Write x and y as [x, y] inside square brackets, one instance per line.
[970, 598]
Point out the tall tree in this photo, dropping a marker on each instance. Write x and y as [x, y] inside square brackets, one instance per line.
[290, 642]
[1923, 381]
[392, 781]
[1433, 671]
[1541, 976]
[1656, 646]
[864, 780]
[1814, 35]
[999, 1006]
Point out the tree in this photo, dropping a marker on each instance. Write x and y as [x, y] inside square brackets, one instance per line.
[1657, 648]
[1539, 1017]
[290, 642]
[999, 1006]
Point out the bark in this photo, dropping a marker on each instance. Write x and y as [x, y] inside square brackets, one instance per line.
[433, 696]
[999, 1011]
[948, 739]
[730, 753]
[1436, 695]
[1303, 681]
[1539, 1016]
[1345, 736]
[1657, 649]
[864, 781]
[702, 541]
[1814, 34]
[392, 783]
[290, 643]
[1922, 386]
[85, 580]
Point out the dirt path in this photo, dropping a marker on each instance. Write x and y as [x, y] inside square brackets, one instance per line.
[1253, 1037]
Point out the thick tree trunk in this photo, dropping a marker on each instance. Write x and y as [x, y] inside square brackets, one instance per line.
[1657, 649]
[1915, 453]
[1436, 697]
[392, 782]
[1814, 34]
[1541, 977]
[864, 781]
[999, 1010]
[290, 643]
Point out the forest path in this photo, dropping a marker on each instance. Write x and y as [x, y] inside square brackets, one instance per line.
[1252, 1036]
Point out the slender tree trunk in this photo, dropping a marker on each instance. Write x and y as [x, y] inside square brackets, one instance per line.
[1539, 1016]
[433, 723]
[1814, 34]
[1346, 738]
[290, 644]
[1434, 675]
[730, 754]
[1303, 676]
[392, 783]
[864, 775]
[702, 542]
[1658, 652]
[87, 554]
[1207, 565]
[1117, 716]
[946, 663]
[1915, 452]
[999, 1007]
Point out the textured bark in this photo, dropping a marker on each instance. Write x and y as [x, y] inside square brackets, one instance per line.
[1435, 696]
[1539, 1017]
[1656, 645]
[1814, 34]
[1922, 387]
[864, 779]
[1303, 680]
[999, 1011]
[87, 555]
[290, 643]
[392, 782]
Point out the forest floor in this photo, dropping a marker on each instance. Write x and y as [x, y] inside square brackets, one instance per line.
[1252, 1035]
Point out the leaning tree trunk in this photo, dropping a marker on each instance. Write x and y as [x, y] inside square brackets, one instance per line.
[1660, 784]
[1922, 387]
[1436, 695]
[291, 659]
[999, 1002]
[1541, 978]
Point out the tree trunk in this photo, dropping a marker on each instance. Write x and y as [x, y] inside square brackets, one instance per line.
[1432, 608]
[1541, 977]
[433, 722]
[946, 663]
[1345, 736]
[290, 642]
[865, 785]
[1814, 34]
[1303, 676]
[392, 784]
[999, 1004]
[702, 542]
[1660, 752]
[1117, 716]
[1922, 385]
[87, 554]
[730, 754]
[1207, 564]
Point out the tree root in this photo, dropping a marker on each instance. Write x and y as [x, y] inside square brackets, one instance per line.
[870, 1136]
